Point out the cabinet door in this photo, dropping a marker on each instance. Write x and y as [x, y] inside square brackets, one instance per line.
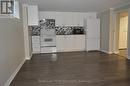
[74, 42]
[60, 43]
[35, 39]
[59, 20]
[36, 44]
[36, 48]
[79, 44]
[69, 43]
[65, 43]
[66, 17]
[80, 19]
[75, 19]
[32, 15]
[69, 21]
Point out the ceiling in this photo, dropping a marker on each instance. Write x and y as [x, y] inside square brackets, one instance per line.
[75, 5]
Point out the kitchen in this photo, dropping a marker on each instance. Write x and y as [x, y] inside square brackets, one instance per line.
[63, 31]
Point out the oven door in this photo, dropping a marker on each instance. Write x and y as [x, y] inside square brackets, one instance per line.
[48, 41]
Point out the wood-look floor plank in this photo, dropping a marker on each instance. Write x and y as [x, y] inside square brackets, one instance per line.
[74, 69]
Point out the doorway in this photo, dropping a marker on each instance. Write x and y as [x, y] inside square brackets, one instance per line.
[123, 33]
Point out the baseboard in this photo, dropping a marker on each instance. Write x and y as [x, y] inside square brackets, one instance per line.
[14, 74]
[29, 58]
[116, 52]
[106, 52]
[128, 57]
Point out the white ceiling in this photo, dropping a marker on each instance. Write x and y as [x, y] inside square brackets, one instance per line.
[75, 5]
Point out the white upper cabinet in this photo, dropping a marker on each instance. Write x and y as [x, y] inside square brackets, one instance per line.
[80, 19]
[59, 19]
[64, 18]
[67, 18]
[32, 15]
[36, 44]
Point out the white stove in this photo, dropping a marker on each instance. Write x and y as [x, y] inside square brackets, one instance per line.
[48, 38]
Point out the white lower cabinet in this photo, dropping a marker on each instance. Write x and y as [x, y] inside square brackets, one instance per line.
[36, 48]
[79, 42]
[65, 43]
[36, 44]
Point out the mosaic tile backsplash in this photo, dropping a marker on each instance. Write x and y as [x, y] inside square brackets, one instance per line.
[35, 30]
[60, 30]
[66, 30]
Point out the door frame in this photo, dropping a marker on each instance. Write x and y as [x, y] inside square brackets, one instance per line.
[116, 32]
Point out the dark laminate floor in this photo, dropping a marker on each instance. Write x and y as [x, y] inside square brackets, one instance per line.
[74, 69]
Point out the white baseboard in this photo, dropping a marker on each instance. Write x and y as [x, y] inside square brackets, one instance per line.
[106, 52]
[14, 74]
[116, 52]
[128, 57]
[29, 57]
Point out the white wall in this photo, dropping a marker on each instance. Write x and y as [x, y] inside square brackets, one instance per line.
[11, 48]
[105, 30]
[128, 34]
[27, 34]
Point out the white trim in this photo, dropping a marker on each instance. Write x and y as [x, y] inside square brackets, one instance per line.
[116, 52]
[128, 57]
[128, 38]
[106, 52]
[116, 34]
[26, 33]
[14, 74]
[28, 58]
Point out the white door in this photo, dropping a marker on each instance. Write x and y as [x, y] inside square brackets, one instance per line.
[93, 34]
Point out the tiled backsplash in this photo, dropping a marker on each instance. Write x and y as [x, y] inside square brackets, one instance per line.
[66, 30]
[35, 30]
[60, 30]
